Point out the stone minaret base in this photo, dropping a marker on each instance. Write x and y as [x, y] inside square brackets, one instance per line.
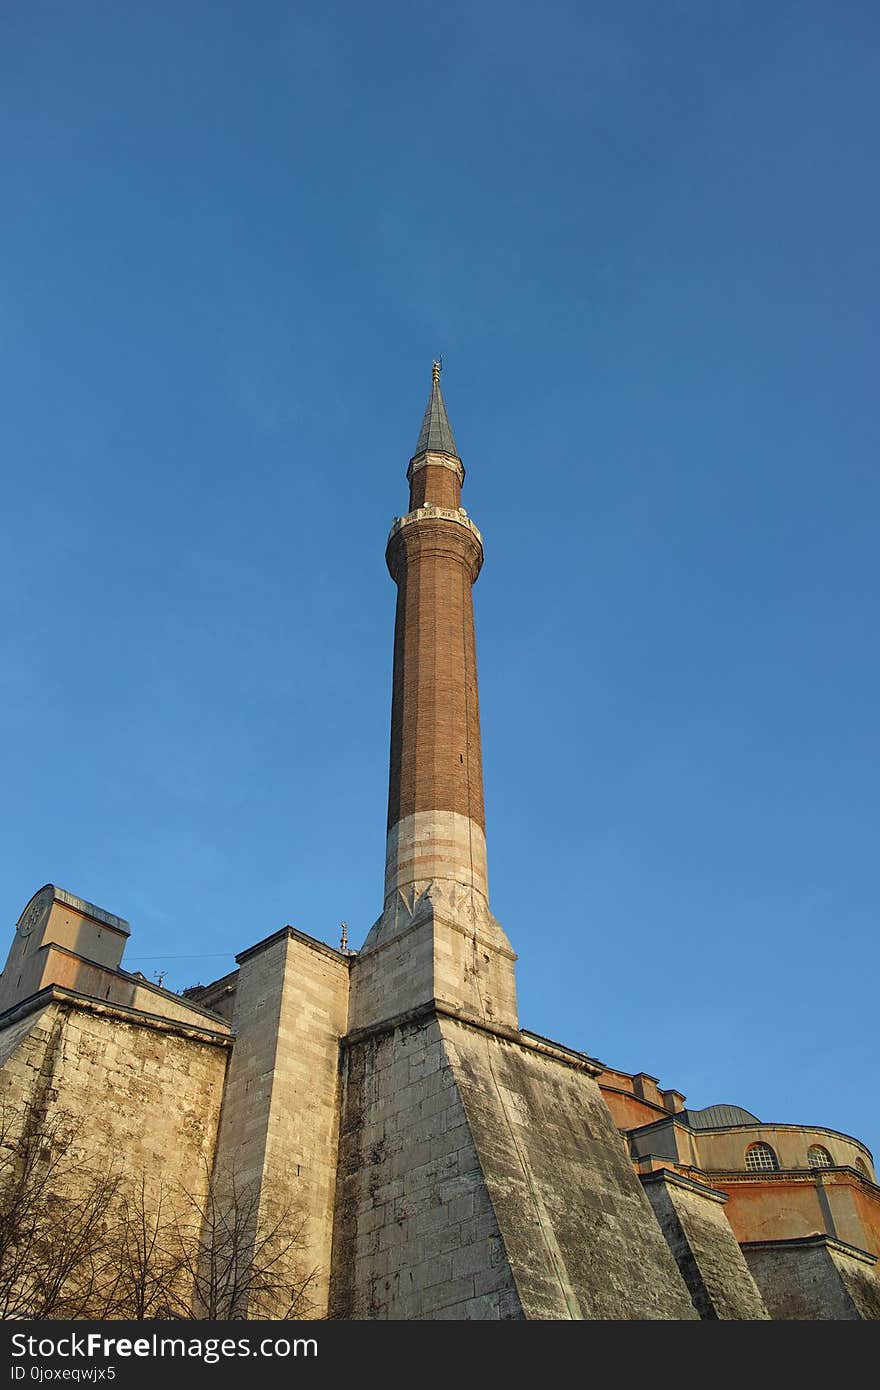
[435, 941]
[481, 1177]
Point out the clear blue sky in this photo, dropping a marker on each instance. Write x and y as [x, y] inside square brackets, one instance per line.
[644, 238]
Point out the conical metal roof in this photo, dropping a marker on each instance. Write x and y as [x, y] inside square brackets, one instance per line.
[436, 432]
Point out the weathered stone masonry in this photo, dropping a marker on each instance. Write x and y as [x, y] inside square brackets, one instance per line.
[145, 1091]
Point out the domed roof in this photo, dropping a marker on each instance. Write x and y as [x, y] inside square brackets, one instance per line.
[718, 1116]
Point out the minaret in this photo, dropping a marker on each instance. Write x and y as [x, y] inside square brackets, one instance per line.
[478, 1164]
[436, 938]
[436, 821]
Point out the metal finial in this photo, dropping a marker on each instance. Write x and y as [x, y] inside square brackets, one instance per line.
[343, 944]
[436, 369]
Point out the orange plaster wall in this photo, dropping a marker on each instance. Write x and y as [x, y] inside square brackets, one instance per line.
[86, 937]
[772, 1211]
[785, 1210]
[628, 1112]
[84, 977]
[72, 973]
[866, 1202]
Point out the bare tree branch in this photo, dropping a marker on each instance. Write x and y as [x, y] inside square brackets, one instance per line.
[83, 1239]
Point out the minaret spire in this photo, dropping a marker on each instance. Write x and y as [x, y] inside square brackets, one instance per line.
[435, 470]
[435, 867]
[436, 433]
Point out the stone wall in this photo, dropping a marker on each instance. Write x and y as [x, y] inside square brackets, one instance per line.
[280, 1120]
[434, 943]
[145, 1095]
[698, 1233]
[416, 1236]
[815, 1278]
[483, 1178]
[579, 1234]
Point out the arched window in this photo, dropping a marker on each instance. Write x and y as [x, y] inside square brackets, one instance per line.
[817, 1157]
[760, 1158]
[863, 1168]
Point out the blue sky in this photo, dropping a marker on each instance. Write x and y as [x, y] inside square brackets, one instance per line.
[644, 238]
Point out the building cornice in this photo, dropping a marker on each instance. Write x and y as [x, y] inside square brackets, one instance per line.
[434, 458]
[662, 1112]
[811, 1176]
[530, 1042]
[84, 908]
[747, 1129]
[342, 957]
[122, 1013]
[116, 972]
[467, 930]
[804, 1242]
[676, 1179]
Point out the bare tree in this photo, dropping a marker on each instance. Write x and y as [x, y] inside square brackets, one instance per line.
[139, 1244]
[242, 1253]
[54, 1256]
[79, 1238]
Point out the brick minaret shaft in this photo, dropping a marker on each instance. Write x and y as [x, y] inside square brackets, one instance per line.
[436, 820]
[436, 943]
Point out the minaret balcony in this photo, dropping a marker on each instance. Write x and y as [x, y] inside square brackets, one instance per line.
[458, 515]
[419, 531]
